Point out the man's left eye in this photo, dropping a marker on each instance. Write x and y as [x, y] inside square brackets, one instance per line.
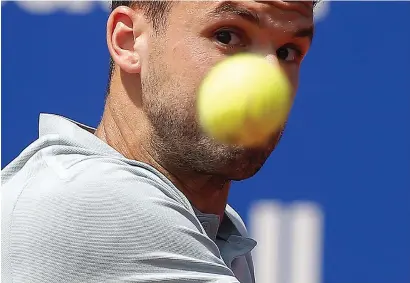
[228, 37]
[288, 53]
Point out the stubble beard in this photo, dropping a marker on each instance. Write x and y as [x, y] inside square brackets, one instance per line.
[179, 144]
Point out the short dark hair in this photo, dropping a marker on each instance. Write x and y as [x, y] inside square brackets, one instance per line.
[155, 11]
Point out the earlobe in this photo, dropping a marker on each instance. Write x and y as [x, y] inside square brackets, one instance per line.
[120, 40]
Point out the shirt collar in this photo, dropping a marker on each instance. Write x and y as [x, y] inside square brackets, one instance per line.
[234, 242]
[210, 223]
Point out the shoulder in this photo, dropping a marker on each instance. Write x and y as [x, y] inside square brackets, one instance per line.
[62, 170]
[90, 187]
[105, 219]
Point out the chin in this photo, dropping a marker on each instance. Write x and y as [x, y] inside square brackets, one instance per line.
[241, 175]
[229, 162]
[247, 162]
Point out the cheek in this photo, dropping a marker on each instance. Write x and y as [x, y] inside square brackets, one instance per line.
[191, 60]
[199, 59]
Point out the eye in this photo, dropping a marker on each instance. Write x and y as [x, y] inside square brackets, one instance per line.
[228, 37]
[288, 53]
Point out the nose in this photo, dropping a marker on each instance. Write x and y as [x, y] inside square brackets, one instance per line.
[272, 59]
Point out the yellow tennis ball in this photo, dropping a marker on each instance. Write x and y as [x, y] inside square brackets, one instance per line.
[243, 100]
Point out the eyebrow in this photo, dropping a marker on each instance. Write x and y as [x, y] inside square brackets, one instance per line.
[233, 8]
[306, 32]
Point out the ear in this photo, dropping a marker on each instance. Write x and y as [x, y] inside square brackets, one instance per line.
[122, 32]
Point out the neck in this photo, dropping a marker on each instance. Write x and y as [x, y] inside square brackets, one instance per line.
[208, 194]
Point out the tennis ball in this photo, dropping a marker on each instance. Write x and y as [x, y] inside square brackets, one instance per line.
[243, 100]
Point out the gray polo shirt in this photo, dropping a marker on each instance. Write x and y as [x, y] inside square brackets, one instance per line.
[76, 210]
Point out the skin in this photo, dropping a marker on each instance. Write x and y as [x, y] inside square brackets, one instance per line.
[150, 114]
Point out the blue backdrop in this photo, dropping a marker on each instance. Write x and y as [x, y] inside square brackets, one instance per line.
[347, 146]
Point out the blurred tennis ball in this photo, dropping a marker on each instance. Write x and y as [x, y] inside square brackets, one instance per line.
[243, 100]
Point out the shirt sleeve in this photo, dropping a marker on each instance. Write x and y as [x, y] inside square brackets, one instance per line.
[108, 225]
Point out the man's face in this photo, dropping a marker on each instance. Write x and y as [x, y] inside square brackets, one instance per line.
[199, 35]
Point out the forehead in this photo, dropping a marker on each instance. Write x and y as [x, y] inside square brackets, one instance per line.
[268, 13]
